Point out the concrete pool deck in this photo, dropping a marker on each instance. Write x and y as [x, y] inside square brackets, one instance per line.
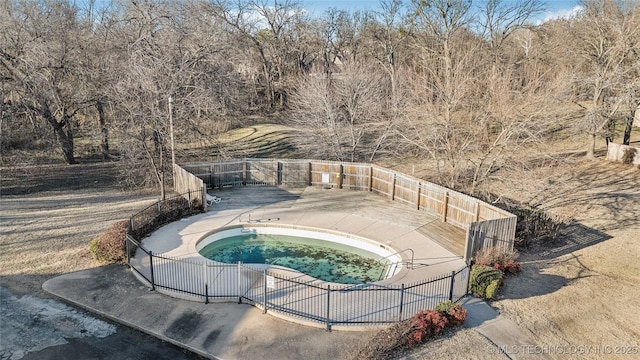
[232, 331]
[358, 213]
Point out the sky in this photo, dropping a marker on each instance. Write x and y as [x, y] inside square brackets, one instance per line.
[555, 8]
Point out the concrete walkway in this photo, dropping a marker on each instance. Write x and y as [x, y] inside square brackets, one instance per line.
[232, 331]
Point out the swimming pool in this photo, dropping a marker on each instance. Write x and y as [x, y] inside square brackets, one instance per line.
[332, 257]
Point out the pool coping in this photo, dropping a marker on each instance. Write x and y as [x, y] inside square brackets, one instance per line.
[350, 240]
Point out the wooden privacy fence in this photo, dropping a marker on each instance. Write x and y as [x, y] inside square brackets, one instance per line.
[183, 179]
[486, 225]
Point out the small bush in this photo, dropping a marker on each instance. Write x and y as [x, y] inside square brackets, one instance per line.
[536, 226]
[492, 289]
[411, 332]
[481, 277]
[109, 247]
[512, 267]
[629, 155]
[425, 324]
[497, 258]
[455, 313]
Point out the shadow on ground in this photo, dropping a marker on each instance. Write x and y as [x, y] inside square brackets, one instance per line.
[576, 236]
[37, 178]
[532, 281]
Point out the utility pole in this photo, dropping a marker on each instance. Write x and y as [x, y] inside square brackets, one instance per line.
[173, 152]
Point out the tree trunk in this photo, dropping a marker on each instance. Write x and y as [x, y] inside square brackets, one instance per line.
[627, 130]
[63, 132]
[591, 148]
[104, 137]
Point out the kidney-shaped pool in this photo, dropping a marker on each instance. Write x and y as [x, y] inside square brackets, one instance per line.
[332, 257]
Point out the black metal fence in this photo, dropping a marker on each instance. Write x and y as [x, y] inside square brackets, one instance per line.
[160, 213]
[296, 295]
[163, 212]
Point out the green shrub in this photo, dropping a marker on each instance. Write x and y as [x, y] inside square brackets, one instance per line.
[109, 247]
[492, 289]
[481, 277]
[455, 313]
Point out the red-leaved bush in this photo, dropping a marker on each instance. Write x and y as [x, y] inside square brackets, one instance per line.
[425, 324]
[455, 313]
[412, 332]
[498, 259]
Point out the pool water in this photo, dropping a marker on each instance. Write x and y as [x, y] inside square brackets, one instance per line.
[323, 260]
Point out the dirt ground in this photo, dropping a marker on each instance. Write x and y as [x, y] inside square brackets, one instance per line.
[48, 216]
[582, 291]
[579, 297]
[585, 291]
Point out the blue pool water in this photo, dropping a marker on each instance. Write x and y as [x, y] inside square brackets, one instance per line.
[323, 260]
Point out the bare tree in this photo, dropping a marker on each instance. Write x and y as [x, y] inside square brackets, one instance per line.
[171, 51]
[472, 114]
[40, 58]
[268, 27]
[340, 114]
[500, 19]
[604, 34]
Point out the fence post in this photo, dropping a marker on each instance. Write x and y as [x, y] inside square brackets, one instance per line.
[131, 223]
[453, 276]
[203, 197]
[401, 302]
[418, 197]
[392, 193]
[153, 280]
[264, 278]
[310, 173]
[239, 269]
[126, 247]
[206, 283]
[244, 176]
[328, 307]
[446, 206]
[467, 270]
[370, 178]
[339, 179]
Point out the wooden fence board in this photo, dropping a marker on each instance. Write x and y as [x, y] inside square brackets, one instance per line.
[184, 181]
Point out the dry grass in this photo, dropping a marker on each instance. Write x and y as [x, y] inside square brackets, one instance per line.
[585, 289]
[583, 292]
[47, 232]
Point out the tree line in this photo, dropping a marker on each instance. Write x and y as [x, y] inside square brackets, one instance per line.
[471, 86]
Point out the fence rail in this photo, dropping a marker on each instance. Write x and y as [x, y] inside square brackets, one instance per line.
[314, 300]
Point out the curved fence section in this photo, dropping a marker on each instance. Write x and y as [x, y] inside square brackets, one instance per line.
[297, 296]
